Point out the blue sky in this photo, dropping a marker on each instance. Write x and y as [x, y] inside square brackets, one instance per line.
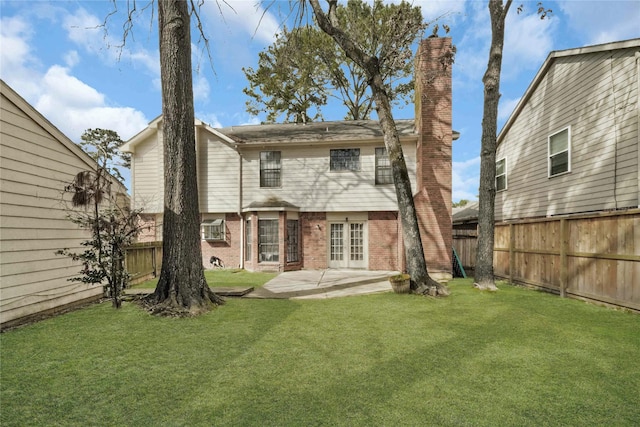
[56, 56]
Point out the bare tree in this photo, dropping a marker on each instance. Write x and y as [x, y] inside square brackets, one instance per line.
[498, 11]
[372, 65]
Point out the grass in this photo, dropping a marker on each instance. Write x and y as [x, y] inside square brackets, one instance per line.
[224, 278]
[512, 358]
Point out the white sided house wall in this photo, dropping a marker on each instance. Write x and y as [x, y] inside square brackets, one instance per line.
[36, 162]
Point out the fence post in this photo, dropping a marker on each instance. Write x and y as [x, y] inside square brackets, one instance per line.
[512, 253]
[564, 241]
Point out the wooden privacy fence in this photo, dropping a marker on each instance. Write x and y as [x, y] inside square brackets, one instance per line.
[465, 242]
[143, 261]
[595, 257]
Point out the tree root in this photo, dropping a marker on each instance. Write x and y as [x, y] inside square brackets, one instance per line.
[432, 289]
[171, 308]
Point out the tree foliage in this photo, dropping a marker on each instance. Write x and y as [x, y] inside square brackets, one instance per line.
[304, 66]
[290, 78]
[102, 145]
[460, 203]
[113, 226]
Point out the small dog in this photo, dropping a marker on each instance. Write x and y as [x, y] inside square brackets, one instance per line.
[216, 262]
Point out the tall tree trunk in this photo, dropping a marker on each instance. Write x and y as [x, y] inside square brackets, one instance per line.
[414, 252]
[484, 278]
[421, 282]
[182, 288]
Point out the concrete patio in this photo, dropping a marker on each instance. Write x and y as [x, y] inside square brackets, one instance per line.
[328, 283]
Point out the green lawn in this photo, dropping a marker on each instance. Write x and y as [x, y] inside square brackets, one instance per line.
[512, 358]
[225, 277]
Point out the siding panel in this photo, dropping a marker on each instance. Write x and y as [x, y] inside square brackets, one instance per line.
[597, 98]
[36, 162]
[325, 190]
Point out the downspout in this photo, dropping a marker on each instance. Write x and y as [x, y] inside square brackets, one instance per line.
[243, 225]
[637, 55]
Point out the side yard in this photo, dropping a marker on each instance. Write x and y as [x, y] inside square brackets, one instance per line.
[515, 357]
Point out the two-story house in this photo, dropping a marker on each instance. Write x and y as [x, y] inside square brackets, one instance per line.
[290, 196]
[571, 144]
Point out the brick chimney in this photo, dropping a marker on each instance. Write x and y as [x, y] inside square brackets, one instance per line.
[433, 124]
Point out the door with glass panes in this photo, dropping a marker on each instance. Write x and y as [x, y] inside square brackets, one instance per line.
[347, 244]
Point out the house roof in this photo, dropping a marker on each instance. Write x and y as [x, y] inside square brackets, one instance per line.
[292, 133]
[466, 213]
[553, 56]
[315, 131]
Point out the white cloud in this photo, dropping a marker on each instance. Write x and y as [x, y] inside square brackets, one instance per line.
[87, 31]
[74, 107]
[249, 16]
[603, 21]
[528, 40]
[506, 107]
[71, 58]
[17, 61]
[465, 179]
[432, 9]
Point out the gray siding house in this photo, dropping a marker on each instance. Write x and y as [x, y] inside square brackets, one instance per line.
[36, 161]
[571, 144]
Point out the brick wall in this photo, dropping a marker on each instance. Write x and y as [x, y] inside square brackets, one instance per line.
[433, 121]
[384, 248]
[314, 239]
[229, 250]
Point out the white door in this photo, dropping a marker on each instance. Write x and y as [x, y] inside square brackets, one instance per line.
[347, 245]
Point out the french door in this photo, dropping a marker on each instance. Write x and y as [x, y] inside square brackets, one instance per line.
[347, 245]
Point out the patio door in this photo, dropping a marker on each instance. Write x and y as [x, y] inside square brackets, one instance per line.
[347, 244]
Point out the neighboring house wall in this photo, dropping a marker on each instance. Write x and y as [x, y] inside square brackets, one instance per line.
[595, 95]
[147, 174]
[36, 162]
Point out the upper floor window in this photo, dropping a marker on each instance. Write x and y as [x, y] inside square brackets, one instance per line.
[345, 159]
[501, 174]
[383, 167]
[560, 152]
[213, 229]
[270, 169]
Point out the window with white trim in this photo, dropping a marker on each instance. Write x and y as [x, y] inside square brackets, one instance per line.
[270, 169]
[383, 167]
[213, 229]
[501, 174]
[344, 159]
[268, 250]
[559, 149]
